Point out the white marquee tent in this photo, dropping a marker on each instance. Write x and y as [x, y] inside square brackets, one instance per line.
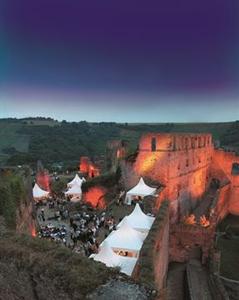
[141, 189]
[138, 220]
[74, 192]
[38, 193]
[107, 256]
[127, 264]
[126, 239]
[76, 181]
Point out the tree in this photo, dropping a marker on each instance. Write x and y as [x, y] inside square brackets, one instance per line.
[58, 186]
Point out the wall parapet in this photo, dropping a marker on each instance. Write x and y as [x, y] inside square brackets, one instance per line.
[152, 265]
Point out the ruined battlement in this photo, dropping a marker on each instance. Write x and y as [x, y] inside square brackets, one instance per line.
[186, 164]
[174, 141]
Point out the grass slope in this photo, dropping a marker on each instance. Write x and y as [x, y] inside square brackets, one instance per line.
[49, 271]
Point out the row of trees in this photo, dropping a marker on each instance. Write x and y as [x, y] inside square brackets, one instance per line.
[64, 143]
[12, 192]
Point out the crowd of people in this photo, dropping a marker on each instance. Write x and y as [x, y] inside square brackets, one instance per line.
[82, 231]
[88, 229]
[55, 233]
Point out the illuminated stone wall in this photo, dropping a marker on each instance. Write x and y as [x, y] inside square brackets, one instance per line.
[95, 197]
[152, 265]
[224, 161]
[43, 180]
[88, 168]
[184, 239]
[181, 163]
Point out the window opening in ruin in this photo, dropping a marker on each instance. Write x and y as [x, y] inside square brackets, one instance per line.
[199, 142]
[187, 163]
[235, 169]
[186, 143]
[192, 143]
[153, 144]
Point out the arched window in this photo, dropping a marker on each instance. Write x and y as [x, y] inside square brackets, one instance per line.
[153, 144]
[235, 169]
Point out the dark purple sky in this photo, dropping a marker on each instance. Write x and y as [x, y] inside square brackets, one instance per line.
[154, 61]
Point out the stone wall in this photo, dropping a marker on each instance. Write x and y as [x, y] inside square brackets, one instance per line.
[224, 161]
[181, 163]
[220, 205]
[88, 168]
[115, 151]
[186, 240]
[152, 265]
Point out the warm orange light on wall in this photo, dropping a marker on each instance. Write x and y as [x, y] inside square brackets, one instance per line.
[204, 222]
[84, 164]
[43, 180]
[190, 220]
[95, 197]
[146, 164]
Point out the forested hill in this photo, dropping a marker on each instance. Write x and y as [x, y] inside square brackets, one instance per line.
[24, 141]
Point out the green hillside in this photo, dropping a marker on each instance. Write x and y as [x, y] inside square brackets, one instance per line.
[27, 140]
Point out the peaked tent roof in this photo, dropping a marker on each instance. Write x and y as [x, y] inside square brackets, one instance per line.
[141, 189]
[125, 238]
[75, 189]
[138, 219]
[38, 192]
[76, 180]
